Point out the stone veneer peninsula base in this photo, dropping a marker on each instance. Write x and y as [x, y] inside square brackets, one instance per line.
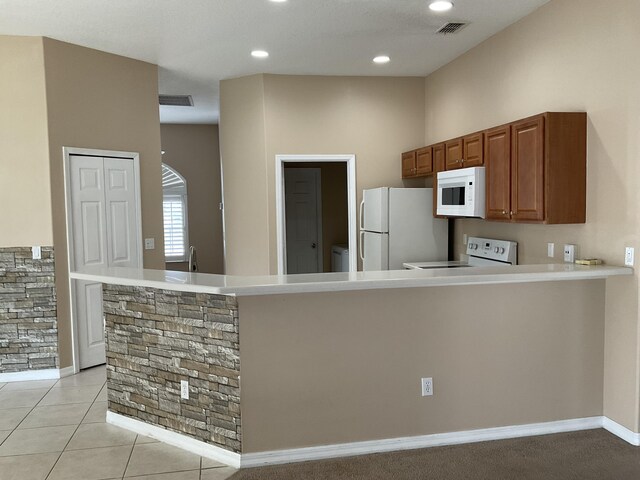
[298, 375]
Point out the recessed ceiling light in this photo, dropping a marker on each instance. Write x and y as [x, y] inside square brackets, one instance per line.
[381, 59]
[440, 6]
[259, 54]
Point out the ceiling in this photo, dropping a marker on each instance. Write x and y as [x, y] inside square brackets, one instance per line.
[197, 43]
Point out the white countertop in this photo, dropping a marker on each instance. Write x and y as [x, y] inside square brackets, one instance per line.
[333, 282]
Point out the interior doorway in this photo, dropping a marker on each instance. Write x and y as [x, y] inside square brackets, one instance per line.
[303, 218]
[104, 229]
[315, 205]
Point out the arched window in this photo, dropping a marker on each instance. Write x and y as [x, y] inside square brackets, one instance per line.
[174, 207]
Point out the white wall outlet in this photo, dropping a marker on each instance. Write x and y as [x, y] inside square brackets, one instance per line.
[149, 243]
[464, 238]
[550, 250]
[184, 389]
[628, 256]
[569, 253]
[36, 252]
[427, 387]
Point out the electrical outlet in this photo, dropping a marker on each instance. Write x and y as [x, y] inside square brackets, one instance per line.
[628, 256]
[184, 389]
[427, 387]
[36, 253]
[569, 253]
[550, 250]
[149, 243]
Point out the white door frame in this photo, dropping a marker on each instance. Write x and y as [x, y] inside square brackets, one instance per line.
[350, 160]
[66, 154]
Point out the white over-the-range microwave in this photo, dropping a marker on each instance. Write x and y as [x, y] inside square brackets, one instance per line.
[461, 193]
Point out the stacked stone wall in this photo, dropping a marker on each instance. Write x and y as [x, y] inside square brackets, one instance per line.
[158, 338]
[28, 311]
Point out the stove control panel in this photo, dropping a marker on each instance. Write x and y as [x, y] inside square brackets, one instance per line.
[491, 249]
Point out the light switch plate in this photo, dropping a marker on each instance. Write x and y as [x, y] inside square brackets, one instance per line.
[149, 243]
[550, 250]
[36, 252]
[628, 256]
[569, 253]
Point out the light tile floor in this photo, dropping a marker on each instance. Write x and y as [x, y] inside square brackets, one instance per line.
[56, 430]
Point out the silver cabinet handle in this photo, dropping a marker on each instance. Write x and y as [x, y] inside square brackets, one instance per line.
[361, 216]
[361, 245]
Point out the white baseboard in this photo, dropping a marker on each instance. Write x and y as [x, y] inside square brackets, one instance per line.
[30, 375]
[368, 447]
[67, 371]
[619, 431]
[410, 443]
[176, 439]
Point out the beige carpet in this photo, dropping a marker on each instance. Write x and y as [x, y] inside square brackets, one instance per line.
[592, 454]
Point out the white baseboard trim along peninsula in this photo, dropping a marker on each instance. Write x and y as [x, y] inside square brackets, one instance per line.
[423, 441]
[275, 457]
[31, 375]
[176, 439]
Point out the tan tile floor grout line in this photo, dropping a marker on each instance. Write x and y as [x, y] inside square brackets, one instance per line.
[77, 427]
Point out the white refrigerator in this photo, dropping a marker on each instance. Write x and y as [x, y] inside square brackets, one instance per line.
[397, 226]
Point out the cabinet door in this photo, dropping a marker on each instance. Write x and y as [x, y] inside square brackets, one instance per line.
[497, 155]
[453, 154]
[408, 164]
[473, 153]
[527, 170]
[424, 161]
[438, 154]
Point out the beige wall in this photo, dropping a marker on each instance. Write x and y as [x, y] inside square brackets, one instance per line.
[374, 118]
[570, 55]
[316, 363]
[25, 198]
[244, 170]
[101, 101]
[194, 152]
[335, 217]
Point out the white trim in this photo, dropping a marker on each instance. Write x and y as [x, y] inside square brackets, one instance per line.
[176, 439]
[618, 430]
[31, 375]
[275, 457]
[66, 154]
[281, 246]
[67, 371]
[410, 443]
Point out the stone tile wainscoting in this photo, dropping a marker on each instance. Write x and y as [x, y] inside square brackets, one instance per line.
[156, 339]
[28, 311]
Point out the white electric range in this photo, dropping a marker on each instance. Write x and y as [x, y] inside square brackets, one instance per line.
[481, 252]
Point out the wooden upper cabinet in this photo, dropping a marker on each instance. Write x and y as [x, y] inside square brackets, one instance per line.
[497, 155]
[424, 161]
[453, 154]
[536, 169]
[438, 154]
[464, 152]
[472, 150]
[527, 170]
[409, 164]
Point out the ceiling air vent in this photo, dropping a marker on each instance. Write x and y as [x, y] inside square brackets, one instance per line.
[451, 27]
[176, 100]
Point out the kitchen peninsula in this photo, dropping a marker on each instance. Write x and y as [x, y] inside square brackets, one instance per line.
[290, 368]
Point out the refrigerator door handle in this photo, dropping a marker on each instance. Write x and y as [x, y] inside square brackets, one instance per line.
[361, 246]
[361, 216]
